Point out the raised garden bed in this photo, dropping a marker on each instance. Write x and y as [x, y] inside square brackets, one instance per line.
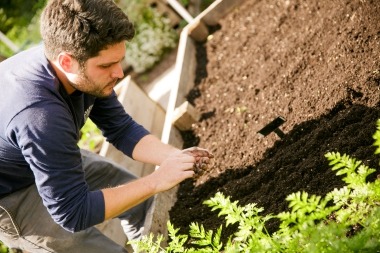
[314, 63]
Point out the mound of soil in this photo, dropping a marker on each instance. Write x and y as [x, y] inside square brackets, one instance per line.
[314, 63]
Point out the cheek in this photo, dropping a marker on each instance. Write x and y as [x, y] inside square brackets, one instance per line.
[96, 72]
[100, 74]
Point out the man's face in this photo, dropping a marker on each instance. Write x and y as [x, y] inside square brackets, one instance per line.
[99, 74]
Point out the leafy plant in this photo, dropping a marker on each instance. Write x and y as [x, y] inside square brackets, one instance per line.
[91, 136]
[19, 20]
[18, 13]
[5, 249]
[154, 36]
[345, 220]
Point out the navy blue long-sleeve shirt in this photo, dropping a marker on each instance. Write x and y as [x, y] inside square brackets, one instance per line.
[39, 131]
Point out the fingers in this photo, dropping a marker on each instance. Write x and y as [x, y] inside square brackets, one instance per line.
[190, 162]
[201, 158]
[184, 162]
[196, 151]
[205, 160]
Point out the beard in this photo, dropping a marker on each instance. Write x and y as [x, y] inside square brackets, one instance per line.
[89, 86]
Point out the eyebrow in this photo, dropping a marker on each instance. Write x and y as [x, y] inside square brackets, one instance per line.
[111, 63]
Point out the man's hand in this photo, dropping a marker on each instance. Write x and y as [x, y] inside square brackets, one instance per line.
[180, 166]
[202, 160]
[175, 166]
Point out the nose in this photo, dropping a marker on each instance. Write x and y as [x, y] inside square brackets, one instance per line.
[117, 71]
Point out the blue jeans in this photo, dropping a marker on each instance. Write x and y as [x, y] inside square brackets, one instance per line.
[26, 224]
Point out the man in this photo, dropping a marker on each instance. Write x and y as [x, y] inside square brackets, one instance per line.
[51, 192]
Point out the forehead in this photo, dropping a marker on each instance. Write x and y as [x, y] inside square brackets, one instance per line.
[113, 53]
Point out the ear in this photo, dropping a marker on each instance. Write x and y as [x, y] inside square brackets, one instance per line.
[68, 63]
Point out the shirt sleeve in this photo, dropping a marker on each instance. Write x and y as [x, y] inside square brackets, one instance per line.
[47, 138]
[117, 126]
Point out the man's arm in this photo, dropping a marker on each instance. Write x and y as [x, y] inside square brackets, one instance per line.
[151, 150]
[175, 166]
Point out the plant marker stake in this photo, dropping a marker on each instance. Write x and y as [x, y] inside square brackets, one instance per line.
[273, 127]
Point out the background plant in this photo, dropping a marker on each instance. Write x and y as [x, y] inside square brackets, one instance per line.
[154, 35]
[19, 21]
[5, 249]
[345, 220]
[91, 137]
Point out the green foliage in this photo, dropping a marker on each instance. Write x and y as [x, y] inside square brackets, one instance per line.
[154, 36]
[149, 244]
[205, 241]
[18, 13]
[376, 136]
[19, 20]
[3, 248]
[345, 220]
[91, 136]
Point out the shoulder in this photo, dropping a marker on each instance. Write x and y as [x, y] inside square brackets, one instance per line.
[27, 81]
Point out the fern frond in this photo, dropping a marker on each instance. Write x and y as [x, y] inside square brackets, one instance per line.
[206, 240]
[344, 164]
[230, 209]
[148, 244]
[177, 241]
[376, 136]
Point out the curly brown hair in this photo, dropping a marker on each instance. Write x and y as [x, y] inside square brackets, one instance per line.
[83, 27]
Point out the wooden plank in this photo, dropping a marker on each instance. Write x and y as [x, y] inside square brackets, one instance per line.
[198, 30]
[210, 17]
[185, 116]
[183, 76]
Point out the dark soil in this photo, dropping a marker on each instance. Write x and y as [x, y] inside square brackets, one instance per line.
[315, 63]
